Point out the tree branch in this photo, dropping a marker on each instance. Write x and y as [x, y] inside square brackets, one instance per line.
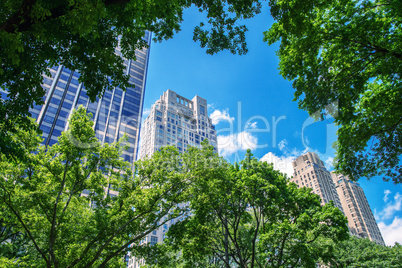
[122, 228]
[24, 225]
[281, 250]
[52, 236]
[255, 237]
[138, 237]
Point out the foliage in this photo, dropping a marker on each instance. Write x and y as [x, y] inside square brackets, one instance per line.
[345, 57]
[249, 216]
[82, 35]
[359, 252]
[63, 201]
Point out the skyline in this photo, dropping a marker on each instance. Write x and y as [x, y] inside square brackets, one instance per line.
[252, 107]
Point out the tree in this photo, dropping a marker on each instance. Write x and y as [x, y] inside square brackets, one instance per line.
[345, 57]
[359, 252]
[83, 34]
[76, 205]
[250, 216]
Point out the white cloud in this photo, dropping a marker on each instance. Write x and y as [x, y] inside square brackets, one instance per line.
[231, 144]
[282, 144]
[218, 116]
[393, 232]
[386, 193]
[329, 162]
[391, 208]
[251, 125]
[281, 163]
[390, 232]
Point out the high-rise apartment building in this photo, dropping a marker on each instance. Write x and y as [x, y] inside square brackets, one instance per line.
[115, 113]
[178, 121]
[309, 171]
[175, 120]
[356, 208]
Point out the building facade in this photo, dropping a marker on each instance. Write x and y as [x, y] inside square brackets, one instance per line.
[175, 120]
[356, 208]
[178, 121]
[115, 113]
[309, 171]
[348, 196]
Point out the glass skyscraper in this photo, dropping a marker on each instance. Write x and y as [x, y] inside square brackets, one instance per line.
[116, 113]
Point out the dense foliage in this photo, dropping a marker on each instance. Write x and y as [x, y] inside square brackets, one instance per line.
[345, 57]
[78, 204]
[359, 252]
[82, 35]
[60, 207]
[250, 216]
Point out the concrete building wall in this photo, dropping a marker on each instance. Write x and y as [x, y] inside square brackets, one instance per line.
[309, 171]
[348, 196]
[178, 121]
[356, 208]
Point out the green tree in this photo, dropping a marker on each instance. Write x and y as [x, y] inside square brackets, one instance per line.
[63, 201]
[249, 216]
[83, 34]
[359, 252]
[12, 241]
[345, 57]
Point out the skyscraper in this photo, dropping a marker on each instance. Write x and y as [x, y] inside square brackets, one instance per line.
[356, 208]
[178, 121]
[309, 171]
[175, 120]
[115, 113]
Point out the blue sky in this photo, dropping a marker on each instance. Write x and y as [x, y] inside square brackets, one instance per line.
[252, 107]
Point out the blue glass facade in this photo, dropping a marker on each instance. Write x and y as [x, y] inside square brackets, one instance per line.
[116, 113]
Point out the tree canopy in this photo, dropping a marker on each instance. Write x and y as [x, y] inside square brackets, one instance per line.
[78, 204]
[75, 205]
[82, 35]
[361, 252]
[249, 215]
[345, 57]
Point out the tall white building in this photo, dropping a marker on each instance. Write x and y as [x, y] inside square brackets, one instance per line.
[354, 202]
[309, 171]
[175, 120]
[348, 196]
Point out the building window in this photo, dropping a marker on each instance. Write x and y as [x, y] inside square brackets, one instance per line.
[154, 240]
[202, 110]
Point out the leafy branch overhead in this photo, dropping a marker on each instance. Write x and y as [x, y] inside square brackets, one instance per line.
[347, 54]
[344, 56]
[82, 35]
